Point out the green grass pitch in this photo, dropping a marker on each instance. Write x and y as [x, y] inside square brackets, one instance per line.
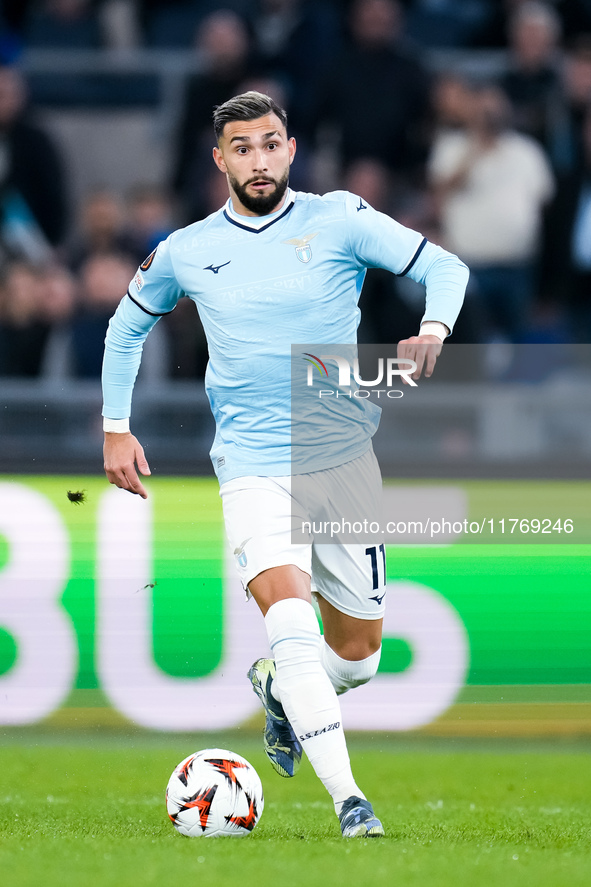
[89, 810]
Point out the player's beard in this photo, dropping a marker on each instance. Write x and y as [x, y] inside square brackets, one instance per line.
[262, 204]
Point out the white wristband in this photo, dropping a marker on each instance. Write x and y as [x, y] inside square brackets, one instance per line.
[434, 328]
[117, 426]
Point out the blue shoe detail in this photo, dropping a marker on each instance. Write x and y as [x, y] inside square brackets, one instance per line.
[281, 744]
[358, 820]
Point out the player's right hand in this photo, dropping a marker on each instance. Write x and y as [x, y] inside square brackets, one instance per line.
[122, 452]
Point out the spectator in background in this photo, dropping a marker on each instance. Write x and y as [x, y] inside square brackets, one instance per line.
[33, 188]
[377, 94]
[569, 148]
[103, 278]
[103, 228]
[59, 290]
[532, 81]
[104, 258]
[223, 47]
[150, 217]
[442, 23]
[568, 266]
[23, 329]
[568, 154]
[59, 293]
[491, 184]
[64, 24]
[296, 43]
[172, 23]
[36, 305]
[451, 99]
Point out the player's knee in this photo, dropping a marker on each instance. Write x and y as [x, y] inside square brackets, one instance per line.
[363, 648]
[346, 674]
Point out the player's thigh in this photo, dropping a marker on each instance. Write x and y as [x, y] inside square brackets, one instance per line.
[258, 520]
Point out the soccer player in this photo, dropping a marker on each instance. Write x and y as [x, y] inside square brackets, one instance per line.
[270, 269]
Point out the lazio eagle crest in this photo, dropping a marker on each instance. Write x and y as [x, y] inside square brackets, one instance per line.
[302, 245]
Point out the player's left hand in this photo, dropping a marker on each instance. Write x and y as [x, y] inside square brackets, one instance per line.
[424, 350]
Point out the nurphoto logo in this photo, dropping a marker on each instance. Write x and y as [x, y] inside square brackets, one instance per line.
[388, 370]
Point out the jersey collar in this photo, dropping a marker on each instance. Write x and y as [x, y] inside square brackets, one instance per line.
[256, 224]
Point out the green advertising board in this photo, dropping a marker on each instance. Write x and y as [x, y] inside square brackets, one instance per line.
[127, 606]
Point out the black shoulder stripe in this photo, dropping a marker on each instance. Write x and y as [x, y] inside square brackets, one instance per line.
[414, 258]
[145, 310]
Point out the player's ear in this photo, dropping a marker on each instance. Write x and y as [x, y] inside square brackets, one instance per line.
[291, 143]
[218, 159]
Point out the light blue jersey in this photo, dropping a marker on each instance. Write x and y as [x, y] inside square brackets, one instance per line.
[261, 285]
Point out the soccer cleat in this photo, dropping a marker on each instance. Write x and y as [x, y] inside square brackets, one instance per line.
[281, 744]
[358, 820]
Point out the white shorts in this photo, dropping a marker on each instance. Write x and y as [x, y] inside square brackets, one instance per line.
[258, 513]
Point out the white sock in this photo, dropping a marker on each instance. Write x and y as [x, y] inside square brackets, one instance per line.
[308, 697]
[345, 674]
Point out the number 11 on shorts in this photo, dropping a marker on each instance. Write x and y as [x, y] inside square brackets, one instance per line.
[372, 553]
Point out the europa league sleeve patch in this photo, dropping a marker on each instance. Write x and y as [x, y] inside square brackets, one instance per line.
[147, 262]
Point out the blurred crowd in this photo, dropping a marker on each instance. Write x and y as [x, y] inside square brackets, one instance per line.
[495, 168]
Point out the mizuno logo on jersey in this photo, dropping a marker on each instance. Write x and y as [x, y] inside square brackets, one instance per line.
[216, 268]
[302, 245]
[378, 598]
[362, 205]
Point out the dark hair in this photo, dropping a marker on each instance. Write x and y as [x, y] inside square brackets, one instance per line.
[248, 106]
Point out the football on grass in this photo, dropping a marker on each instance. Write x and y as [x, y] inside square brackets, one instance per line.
[214, 793]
